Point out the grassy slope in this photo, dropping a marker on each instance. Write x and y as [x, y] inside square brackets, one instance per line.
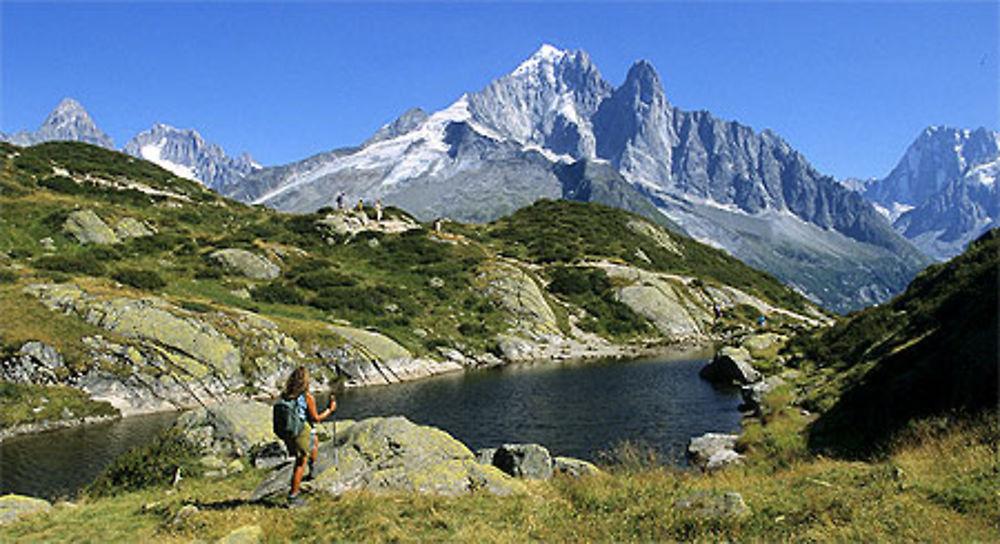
[593, 231]
[372, 280]
[930, 351]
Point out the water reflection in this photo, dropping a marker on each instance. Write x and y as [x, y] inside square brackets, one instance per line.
[58, 463]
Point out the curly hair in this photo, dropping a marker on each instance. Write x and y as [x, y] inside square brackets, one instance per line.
[297, 383]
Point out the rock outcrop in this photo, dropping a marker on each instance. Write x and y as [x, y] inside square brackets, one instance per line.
[753, 394]
[533, 461]
[730, 366]
[370, 358]
[708, 505]
[517, 293]
[524, 461]
[393, 454]
[130, 227]
[712, 451]
[157, 356]
[14, 507]
[88, 228]
[232, 429]
[246, 263]
[576, 468]
[35, 362]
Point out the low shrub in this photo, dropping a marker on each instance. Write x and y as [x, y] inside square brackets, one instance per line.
[320, 279]
[571, 280]
[81, 263]
[139, 278]
[196, 306]
[277, 292]
[7, 275]
[154, 464]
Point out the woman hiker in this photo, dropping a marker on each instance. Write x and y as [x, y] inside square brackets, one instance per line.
[297, 388]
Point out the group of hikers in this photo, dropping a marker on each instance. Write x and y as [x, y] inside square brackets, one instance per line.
[360, 208]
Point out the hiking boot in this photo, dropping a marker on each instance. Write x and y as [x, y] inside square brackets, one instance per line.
[297, 501]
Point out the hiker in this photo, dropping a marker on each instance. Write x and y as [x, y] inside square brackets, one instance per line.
[378, 210]
[361, 212]
[297, 389]
[340, 201]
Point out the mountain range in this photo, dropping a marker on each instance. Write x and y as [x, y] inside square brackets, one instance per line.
[183, 152]
[555, 128]
[541, 130]
[943, 192]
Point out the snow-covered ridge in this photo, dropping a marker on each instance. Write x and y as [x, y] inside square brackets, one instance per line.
[154, 152]
[547, 54]
[421, 151]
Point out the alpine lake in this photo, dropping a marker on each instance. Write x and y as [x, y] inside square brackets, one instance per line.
[575, 409]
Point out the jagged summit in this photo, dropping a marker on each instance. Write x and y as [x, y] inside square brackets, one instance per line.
[68, 121]
[943, 192]
[186, 153]
[517, 139]
[643, 77]
[68, 107]
[547, 55]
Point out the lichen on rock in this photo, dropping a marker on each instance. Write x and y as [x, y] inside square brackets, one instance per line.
[14, 507]
[88, 228]
[246, 263]
[394, 454]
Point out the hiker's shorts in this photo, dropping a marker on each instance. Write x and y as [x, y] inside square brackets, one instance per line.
[300, 446]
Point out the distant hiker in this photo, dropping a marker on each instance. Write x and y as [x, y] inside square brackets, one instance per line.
[378, 210]
[761, 321]
[295, 409]
[340, 201]
[362, 214]
[437, 225]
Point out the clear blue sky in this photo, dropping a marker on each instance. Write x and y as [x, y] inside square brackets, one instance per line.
[848, 84]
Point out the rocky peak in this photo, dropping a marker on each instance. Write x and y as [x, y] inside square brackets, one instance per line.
[938, 155]
[644, 83]
[409, 121]
[68, 121]
[633, 127]
[547, 101]
[186, 153]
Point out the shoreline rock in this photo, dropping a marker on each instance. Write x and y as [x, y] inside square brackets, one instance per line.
[712, 451]
[52, 425]
[730, 367]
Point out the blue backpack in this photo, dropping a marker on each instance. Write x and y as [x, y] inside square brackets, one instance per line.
[285, 421]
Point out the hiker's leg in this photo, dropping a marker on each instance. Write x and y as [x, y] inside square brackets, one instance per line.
[300, 466]
[315, 449]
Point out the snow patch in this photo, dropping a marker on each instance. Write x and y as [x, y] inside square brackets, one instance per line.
[985, 174]
[548, 154]
[153, 153]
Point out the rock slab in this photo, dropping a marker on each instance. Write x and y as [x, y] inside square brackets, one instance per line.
[524, 461]
[14, 507]
[246, 263]
[88, 228]
[730, 366]
[706, 505]
[712, 451]
[394, 454]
